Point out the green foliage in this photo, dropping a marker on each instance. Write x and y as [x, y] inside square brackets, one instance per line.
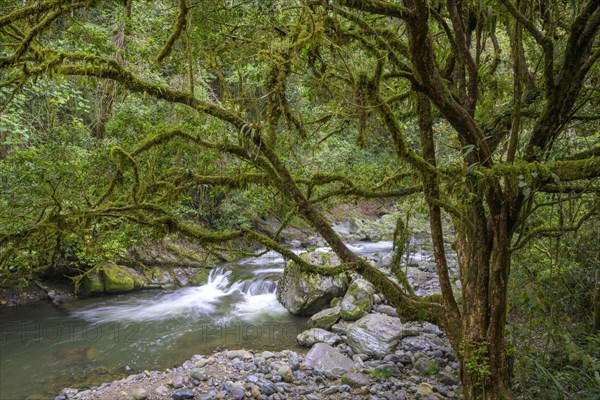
[380, 374]
[551, 307]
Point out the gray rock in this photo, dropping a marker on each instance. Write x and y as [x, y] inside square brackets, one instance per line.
[268, 388]
[358, 300]
[198, 374]
[322, 357]
[285, 372]
[354, 379]
[325, 319]
[140, 394]
[375, 335]
[425, 389]
[293, 360]
[183, 394]
[177, 381]
[317, 335]
[303, 293]
[387, 310]
[237, 394]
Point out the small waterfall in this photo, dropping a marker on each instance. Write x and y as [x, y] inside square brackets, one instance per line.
[185, 302]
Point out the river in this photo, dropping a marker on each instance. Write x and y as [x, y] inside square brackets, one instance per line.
[44, 348]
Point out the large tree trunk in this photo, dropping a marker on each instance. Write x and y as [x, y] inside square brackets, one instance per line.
[485, 264]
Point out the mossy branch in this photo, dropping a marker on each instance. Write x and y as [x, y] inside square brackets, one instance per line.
[27, 11]
[175, 32]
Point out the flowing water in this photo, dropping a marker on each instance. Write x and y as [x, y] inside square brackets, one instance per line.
[44, 348]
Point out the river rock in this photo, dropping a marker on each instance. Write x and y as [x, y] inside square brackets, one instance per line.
[198, 374]
[354, 379]
[317, 335]
[324, 358]
[237, 394]
[387, 310]
[325, 319]
[183, 394]
[177, 381]
[375, 334]
[304, 293]
[358, 300]
[140, 394]
[285, 372]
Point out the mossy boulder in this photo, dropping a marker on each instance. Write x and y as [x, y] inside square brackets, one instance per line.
[325, 319]
[358, 300]
[198, 277]
[118, 279]
[93, 283]
[305, 293]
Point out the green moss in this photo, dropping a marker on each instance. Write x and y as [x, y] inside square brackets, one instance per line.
[198, 277]
[117, 279]
[93, 283]
[380, 374]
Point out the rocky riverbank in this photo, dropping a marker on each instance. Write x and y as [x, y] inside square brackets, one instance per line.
[422, 367]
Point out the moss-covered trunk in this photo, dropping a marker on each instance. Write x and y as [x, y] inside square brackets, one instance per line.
[484, 252]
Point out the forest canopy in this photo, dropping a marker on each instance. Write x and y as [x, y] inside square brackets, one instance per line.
[124, 121]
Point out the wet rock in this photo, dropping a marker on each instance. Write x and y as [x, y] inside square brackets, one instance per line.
[316, 335]
[303, 293]
[322, 357]
[354, 379]
[358, 300]
[183, 394]
[375, 334]
[325, 319]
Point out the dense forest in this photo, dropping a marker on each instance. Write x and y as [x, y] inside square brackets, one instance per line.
[124, 122]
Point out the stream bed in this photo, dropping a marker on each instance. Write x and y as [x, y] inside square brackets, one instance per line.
[44, 348]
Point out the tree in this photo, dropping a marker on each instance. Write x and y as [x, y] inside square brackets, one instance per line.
[487, 106]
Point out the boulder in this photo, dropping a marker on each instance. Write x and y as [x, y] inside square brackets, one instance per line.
[375, 334]
[317, 335]
[117, 279]
[325, 319]
[324, 358]
[358, 300]
[93, 283]
[304, 293]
